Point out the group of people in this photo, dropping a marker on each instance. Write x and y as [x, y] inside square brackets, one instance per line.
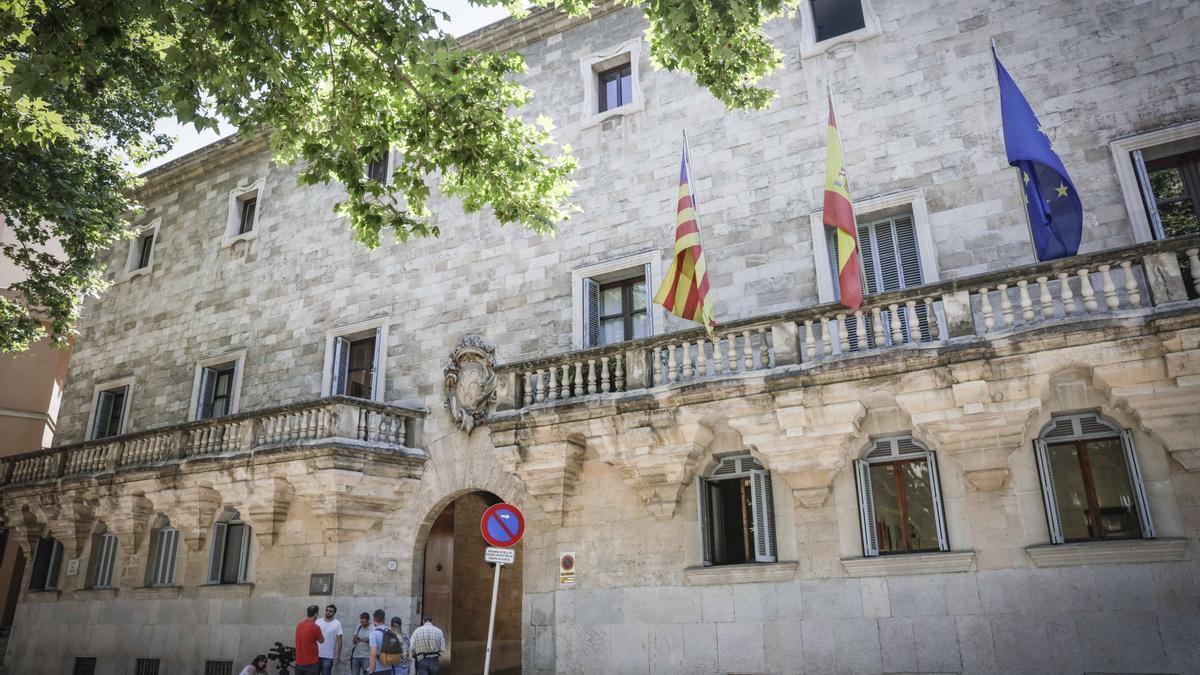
[376, 645]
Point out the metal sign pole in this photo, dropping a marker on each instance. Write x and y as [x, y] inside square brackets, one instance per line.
[487, 659]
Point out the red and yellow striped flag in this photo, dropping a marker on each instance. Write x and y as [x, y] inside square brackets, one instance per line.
[838, 213]
[684, 290]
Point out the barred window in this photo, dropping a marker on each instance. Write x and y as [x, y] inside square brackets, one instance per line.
[84, 665]
[145, 667]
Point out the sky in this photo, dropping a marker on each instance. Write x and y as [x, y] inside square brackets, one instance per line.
[464, 18]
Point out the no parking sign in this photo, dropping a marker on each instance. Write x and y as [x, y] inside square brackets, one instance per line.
[502, 525]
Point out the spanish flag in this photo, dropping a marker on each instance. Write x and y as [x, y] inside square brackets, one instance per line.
[684, 290]
[838, 213]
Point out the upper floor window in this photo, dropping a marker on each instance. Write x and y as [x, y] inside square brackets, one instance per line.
[216, 386]
[355, 357]
[832, 18]
[736, 512]
[615, 87]
[248, 210]
[617, 309]
[1091, 484]
[245, 208]
[230, 552]
[1159, 173]
[47, 561]
[164, 550]
[140, 258]
[899, 498]
[102, 560]
[1173, 193]
[145, 248]
[377, 169]
[110, 407]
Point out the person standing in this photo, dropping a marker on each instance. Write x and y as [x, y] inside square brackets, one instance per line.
[330, 650]
[428, 643]
[398, 630]
[308, 636]
[360, 648]
[376, 664]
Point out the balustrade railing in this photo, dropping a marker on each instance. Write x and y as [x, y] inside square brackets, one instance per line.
[1114, 283]
[339, 419]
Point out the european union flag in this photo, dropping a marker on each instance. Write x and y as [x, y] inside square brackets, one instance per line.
[1055, 213]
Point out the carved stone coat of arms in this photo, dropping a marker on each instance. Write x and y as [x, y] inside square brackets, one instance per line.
[470, 381]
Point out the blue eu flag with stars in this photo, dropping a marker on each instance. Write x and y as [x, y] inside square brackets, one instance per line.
[1055, 213]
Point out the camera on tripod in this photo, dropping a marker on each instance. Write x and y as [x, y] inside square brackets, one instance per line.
[283, 656]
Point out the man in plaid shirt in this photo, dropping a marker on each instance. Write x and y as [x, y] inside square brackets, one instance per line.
[427, 644]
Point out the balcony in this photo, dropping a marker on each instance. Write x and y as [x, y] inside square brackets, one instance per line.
[350, 431]
[650, 407]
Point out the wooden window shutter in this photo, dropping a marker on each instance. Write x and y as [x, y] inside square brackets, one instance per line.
[208, 387]
[104, 405]
[93, 569]
[170, 548]
[341, 366]
[591, 313]
[108, 559]
[1048, 495]
[1148, 198]
[1138, 487]
[52, 570]
[377, 360]
[703, 516]
[762, 508]
[217, 558]
[939, 512]
[152, 565]
[866, 507]
[243, 553]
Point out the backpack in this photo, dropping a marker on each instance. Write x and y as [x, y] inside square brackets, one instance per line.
[391, 651]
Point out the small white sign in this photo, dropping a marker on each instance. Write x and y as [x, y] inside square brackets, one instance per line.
[504, 556]
[72, 567]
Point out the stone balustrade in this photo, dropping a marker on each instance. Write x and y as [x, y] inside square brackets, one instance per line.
[339, 420]
[1114, 283]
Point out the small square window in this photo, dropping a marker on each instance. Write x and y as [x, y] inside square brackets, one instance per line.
[84, 665]
[146, 667]
[832, 18]
[320, 584]
[615, 87]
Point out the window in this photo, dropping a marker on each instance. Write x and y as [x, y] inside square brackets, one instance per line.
[900, 498]
[617, 310]
[832, 18]
[218, 667]
[826, 23]
[354, 358]
[1159, 173]
[736, 512]
[84, 665]
[140, 259]
[47, 561]
[377, 169]
[1091, 484]
[244, 211]
[216, 391]
[164, 550]
[145, 667]
[616, 87]
[102, 561]
[890, 261]
[230, 550]
[109, 412]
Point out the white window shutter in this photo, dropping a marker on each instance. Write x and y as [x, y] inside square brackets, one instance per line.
[868, 253]
[341, 366]
[650, 291]
[939, 513]
[377, 359]
[104, 406]
[108, 559]
[703, 516]
[906, 250]
[1048, 495]
[208, 386]
[866, 507]
[1139, 166]
[762, 509]
[1139, 488]
[244, 554]
[171, 551]
[217, 558]
[591, 313]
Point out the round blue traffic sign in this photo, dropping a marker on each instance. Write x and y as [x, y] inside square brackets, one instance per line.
[502, 525]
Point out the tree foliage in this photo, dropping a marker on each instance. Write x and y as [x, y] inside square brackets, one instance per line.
[335, 82]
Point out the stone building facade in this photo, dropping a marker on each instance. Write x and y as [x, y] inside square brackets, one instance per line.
[256, 412]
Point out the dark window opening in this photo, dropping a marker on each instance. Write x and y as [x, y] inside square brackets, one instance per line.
[377, 169]
[732, 529]
[84, 665]
[1093, 490]
[249, 206]
[360, 373]
[110, 407]
[216, 391]
[616, 87]
[230, 552]
[47, 559]
[1175, 184]
[218, 668]
[623, 310]
[832, 18]
[146, 667]
[145, 249]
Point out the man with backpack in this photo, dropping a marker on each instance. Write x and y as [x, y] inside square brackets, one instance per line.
[387, 648]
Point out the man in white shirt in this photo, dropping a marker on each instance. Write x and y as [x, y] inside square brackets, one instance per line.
[330, 650]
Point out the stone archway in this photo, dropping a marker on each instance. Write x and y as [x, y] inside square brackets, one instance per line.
[456, 588]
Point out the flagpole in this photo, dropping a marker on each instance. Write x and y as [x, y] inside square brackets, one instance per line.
[1020, 176]
[862, 270]
[687, 160]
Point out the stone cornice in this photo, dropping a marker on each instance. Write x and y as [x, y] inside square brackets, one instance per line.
[512, 34]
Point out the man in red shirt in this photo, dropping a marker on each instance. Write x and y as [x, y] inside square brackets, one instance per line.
[308, 634]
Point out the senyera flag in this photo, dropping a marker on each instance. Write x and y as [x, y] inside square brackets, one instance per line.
[838, 213]
[684, 291]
